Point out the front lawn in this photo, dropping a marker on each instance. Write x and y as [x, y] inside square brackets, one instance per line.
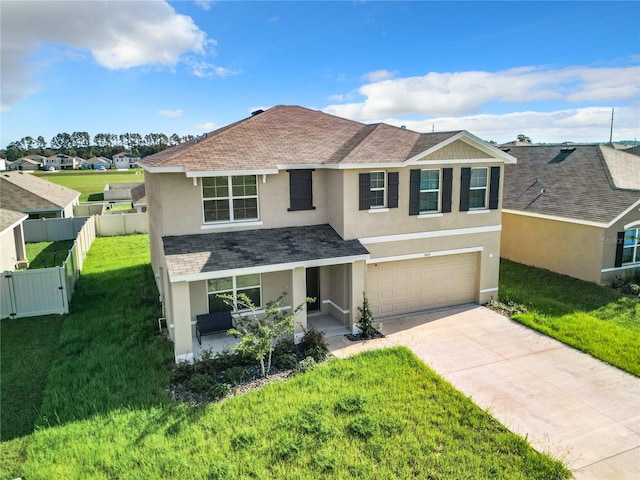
[103, 410]
[592, 318]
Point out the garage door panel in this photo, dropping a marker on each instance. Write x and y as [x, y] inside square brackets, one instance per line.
[406, 286]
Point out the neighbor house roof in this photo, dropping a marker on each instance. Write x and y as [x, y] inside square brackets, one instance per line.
[193, 255]
[24, 192]
[570, 182]
[295, 136]
[9, 218]
[98, 159]
[138, 194]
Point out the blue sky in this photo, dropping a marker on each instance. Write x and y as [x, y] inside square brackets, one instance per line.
[550, 70]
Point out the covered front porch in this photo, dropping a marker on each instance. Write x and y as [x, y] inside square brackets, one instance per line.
[310, 261]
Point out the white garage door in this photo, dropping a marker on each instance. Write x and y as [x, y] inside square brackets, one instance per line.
[407, 286]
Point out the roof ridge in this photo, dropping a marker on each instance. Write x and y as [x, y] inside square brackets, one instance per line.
[352, 143]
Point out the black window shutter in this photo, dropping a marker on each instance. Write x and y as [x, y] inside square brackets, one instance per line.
[414, 192]
[365, 189]
[494, 188]
[619, 247]
[447, 188]
[392, 192]
[465, 184]
[300, 190]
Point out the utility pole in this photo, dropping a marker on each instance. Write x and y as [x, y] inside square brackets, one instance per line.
[611, 131]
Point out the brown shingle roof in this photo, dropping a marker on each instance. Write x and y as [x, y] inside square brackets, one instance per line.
[9, 218]
[24, 192]
[577, 187]
[292, 135]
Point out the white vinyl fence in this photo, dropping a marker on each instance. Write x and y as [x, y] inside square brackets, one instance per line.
[46, 291]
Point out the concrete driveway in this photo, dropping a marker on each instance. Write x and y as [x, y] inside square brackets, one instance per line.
[568, 404]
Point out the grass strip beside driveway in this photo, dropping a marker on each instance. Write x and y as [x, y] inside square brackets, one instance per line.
[594, 319]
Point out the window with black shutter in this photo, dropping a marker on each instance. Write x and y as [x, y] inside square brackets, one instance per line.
[465, 182]
[364, 189]
[447, 188]
[494, 188]
[392, 192]
[300, 190]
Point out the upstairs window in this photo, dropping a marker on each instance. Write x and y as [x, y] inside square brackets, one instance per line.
[378, 190]
[429, 191]
[250, 285]
[230, 199]
[478, 189]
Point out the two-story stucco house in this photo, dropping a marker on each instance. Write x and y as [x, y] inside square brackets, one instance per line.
[296, 200]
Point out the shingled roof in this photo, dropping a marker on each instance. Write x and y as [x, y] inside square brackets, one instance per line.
[572, 182]
[216, 252]
[8, 218]
[24, 192]
[293, 135]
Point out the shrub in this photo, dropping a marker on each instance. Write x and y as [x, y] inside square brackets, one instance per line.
[182, 372]
[317, 353]
[313, 338]
[285, 361]
[226, 359]
[233, 375]
[363, 427]
[365, 323]
[200, 382]
[205, 364]
[351, 404]
[308, 363]
[219, 390]
[284, 345]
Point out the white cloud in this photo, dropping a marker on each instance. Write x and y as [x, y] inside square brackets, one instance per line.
[203, 69]
[465, 93]
[118, 35]
[207, 126]
[378, 76]
[590, 124]
[171, 113]
[204, 4]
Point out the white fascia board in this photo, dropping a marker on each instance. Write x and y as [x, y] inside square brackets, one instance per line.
[231, 173]
[434, 234]
[556, 218]
[14, 225]
[472, 140]
[280, 267]
[631, 207]
[163, 169]
[413, 256]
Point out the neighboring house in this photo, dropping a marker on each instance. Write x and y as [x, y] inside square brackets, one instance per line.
[296, 200]
[25, 164]
[573, 210]
[125, 160]
[97, 163]
[38, 198]
[139, 199]
[12, 250]
[61, 161]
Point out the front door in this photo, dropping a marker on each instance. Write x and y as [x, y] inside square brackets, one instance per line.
[313, 288]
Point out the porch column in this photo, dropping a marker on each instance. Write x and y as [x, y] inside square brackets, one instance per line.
[298, 294]
[181, 313]
[357, 291]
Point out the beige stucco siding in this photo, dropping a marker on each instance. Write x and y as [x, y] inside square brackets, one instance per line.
[568, 248]
[609, 271]
[368, 223]
[10, 255]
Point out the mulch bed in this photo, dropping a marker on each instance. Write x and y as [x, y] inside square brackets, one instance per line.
[358, 337]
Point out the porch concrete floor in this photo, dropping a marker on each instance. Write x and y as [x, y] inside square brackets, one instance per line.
[327, 324]
[567, 403]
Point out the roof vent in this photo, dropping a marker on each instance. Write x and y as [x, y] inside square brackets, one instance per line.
[564, 153]
[256, 112]
[403, 127]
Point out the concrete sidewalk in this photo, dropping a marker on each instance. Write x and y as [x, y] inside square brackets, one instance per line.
[568, 404]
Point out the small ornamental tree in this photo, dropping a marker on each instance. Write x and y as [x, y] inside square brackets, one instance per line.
[259, 334]
[365, 324]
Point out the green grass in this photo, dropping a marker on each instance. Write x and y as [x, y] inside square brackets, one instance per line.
[100, 407]
[589, 317]
[90, 183]
[47, 254]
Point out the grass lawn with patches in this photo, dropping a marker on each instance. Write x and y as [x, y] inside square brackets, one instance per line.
[90, 183]
[592, 318]
[47, 254]
[104, 409]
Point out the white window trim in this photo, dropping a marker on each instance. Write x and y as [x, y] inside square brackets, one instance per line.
[486, 189]
[438, 190]
[378, 210]
[234, 291]
[377, 189]
[230, 198]
[635, 247]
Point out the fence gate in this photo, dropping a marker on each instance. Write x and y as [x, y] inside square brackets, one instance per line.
[30, 293]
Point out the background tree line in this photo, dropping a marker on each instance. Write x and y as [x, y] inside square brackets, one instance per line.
[80, 144]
